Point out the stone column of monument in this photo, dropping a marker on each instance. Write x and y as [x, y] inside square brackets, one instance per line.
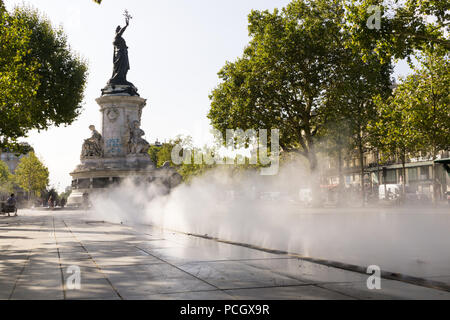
[120, 150]
[121, 114]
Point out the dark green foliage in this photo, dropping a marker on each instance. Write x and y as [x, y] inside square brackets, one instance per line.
[41, 80]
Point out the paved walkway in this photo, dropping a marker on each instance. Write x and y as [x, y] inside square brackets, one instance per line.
[38, 249]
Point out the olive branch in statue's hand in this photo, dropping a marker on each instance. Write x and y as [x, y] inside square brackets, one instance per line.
[127, 17]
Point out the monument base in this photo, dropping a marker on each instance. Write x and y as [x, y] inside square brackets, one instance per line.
[131, 162]
[92, 178]
[119, 89]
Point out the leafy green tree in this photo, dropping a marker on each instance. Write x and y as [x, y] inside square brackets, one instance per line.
[357, 81]
[41, 80]
[164, 153]
[404, 26]
[393, 133]
[31, 175]
[53, 194]
[64, 196]
[337, 144]
[6, 183]
[281, 80]
[417, 118]
[428, 95]
[5, 175]
[189, 171]
[153, 153]
[297, 73]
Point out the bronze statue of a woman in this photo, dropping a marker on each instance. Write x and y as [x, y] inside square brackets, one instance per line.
[121, 63]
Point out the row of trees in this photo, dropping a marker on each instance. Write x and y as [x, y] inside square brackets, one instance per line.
[162, 155]
[415, 120]
[318, 72]
[30, 175]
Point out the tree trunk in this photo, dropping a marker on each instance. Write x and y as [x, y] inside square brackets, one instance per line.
[433, 101]
[434, 184]
[378, 174]
[404, 176]
[315, 179]
[433, 178]
[403, 197]
[310, 152]
[361, 164]
[341, 187]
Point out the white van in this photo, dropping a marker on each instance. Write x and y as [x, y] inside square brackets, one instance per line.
[393, 191]
[305, 196]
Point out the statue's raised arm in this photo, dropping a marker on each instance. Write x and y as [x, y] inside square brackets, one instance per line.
[122, 30]
[127, 22]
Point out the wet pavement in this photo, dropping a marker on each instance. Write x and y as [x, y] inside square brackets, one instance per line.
[39, 252]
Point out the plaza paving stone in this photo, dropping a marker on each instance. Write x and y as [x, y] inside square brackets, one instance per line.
[142, 262]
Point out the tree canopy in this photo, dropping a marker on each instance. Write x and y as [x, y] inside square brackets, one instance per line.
[404, 26]
[283, 76]
[416, 119]
[31, 174]
[6, 184]
[426, 97]
[41, 80]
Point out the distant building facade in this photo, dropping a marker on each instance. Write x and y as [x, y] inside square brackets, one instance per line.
[418, 174]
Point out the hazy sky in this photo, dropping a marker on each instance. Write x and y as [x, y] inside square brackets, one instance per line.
[176, 48]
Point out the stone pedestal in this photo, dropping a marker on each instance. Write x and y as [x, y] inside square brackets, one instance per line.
[121, 114]
[118, 114]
